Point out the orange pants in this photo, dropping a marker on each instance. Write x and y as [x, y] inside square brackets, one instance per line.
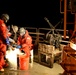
[2, 54]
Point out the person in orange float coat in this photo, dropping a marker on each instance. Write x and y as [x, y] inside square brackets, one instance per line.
[3, 39]
[25, 41]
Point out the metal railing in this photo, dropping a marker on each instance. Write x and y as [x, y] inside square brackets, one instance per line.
[39, 33]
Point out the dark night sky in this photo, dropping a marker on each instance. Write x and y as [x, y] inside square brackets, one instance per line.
[31, 13]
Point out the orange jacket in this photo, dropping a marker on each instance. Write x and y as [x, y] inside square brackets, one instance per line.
[3, 31]
[3, 36]
[25, 42]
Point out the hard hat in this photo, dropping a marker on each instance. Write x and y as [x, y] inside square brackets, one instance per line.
[22, 30]
[15, 28]
[6, 16]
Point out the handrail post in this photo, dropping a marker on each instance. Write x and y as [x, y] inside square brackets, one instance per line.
[65, 17]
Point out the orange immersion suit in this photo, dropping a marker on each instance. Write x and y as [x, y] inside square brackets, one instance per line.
[26, 43]
[3, 45]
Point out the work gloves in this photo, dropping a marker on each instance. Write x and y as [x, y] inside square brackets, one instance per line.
[7, 41]
[18, 46]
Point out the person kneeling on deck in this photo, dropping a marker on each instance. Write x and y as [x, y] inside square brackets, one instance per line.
[24, 42]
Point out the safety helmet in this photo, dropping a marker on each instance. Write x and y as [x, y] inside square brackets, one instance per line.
[5, 16]
[22, 31]
[15, 28]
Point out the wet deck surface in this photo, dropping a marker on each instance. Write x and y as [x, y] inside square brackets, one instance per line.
[37, 69]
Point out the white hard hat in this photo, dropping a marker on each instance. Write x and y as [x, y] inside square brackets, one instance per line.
[15, 28]
[21, 30]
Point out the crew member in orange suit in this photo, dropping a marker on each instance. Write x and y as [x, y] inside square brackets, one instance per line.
[24, 41]
[3, 39]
